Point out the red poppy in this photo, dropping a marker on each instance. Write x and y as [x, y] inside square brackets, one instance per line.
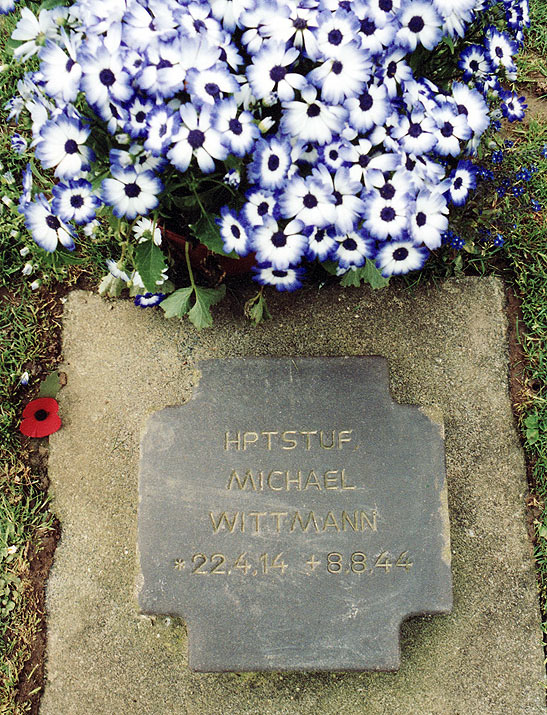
[40, 417]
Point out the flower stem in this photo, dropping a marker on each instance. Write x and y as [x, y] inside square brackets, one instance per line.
[188, 265]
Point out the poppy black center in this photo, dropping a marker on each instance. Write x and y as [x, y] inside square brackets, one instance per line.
[365, 102]
[262, 209]
[368, 26]
[387, 191]
[333, 155]
[447, 130]
[132, 190]
[309, 201]
[76, 201]
[334, 37]
[277, 73]
[235, 126]
[337, 67]
[196, 138]
[313, 110]
[416, 24]
[415, 130]
[421, 218]
[399, 254]
[279, 239]
[387, 213]
[350, 244]
[71, 147]
[40, 415]
[273, 162]
[106, 77]
[53, 222]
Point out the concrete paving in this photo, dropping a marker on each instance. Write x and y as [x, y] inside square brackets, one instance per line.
[446, 347]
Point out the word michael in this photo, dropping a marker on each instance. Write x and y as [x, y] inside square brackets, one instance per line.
[288, 439]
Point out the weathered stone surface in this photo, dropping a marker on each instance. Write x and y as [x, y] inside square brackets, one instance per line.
[294, 515]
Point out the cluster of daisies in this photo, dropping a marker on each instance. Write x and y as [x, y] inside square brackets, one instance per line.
[344, 152]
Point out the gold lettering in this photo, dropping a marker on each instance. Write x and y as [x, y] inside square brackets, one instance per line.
[268, 436]
[308, 434]
[296, 481]
[343, 481]
[341, 439]
[312, 481]
[346, 519]
[223, 521]
[298, 518]
[371, 524]
[330, 522]
[269, 480]
[256, 515]
[241, 483]
[249, 438]
[331, 482]
[228, 441]
[289, 440]
[326, 446]
[277, 515]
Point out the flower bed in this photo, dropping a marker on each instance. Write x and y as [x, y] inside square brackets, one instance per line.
[316, 131]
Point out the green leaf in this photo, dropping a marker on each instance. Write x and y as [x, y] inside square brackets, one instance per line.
[256, 309]
[178, 303]
[150, 263]
[449, 43]
[50, 386]
[330, 267]
[367, 274]
[208, 233]
[200, 314]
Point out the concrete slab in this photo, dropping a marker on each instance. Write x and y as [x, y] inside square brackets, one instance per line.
[446, 346]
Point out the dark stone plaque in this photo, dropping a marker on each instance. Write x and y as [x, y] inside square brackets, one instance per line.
[293, 514]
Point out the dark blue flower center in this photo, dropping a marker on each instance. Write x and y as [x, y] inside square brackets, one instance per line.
[320, 235]
[414, 130]
[236, 231]
[447, 130]
[277, 73]
[337, 67]
[368, 26]
[212, 89]
[462, 109]
[335, 37]
[474, 65]
[333, 155]
[300, 23]
[132, 190]
[458, 183]
[235, 126]
[386, 5]
[53, 222]
[391, 69]
[350, 244]
[163, 130]
[279, 239]
[140, 117]
[71, 147]
[309, 201]
[273, 162]
[399, 254]
[499, 52]
[387, 214]
[416, 24]
[196, 138]
[199, 25]
[313, 110]
[364, 161]
[106, 77]
[410, 164]
[365, 101]
[69, 64]
[279, 274]
[164, 64]
[338, 199]
[262, 208]
[421, 218]
[76, 201]
[387, 191]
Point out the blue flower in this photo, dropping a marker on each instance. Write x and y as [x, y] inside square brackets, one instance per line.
[284, 279]
[46, 228]
[62, 145]
[75, 201]
[353, 249]
[270, 163]
[397, 257]
[131, 193]
[238, 132]
[460, 182]
[18, 143]
[234, 231]
[149, 300]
